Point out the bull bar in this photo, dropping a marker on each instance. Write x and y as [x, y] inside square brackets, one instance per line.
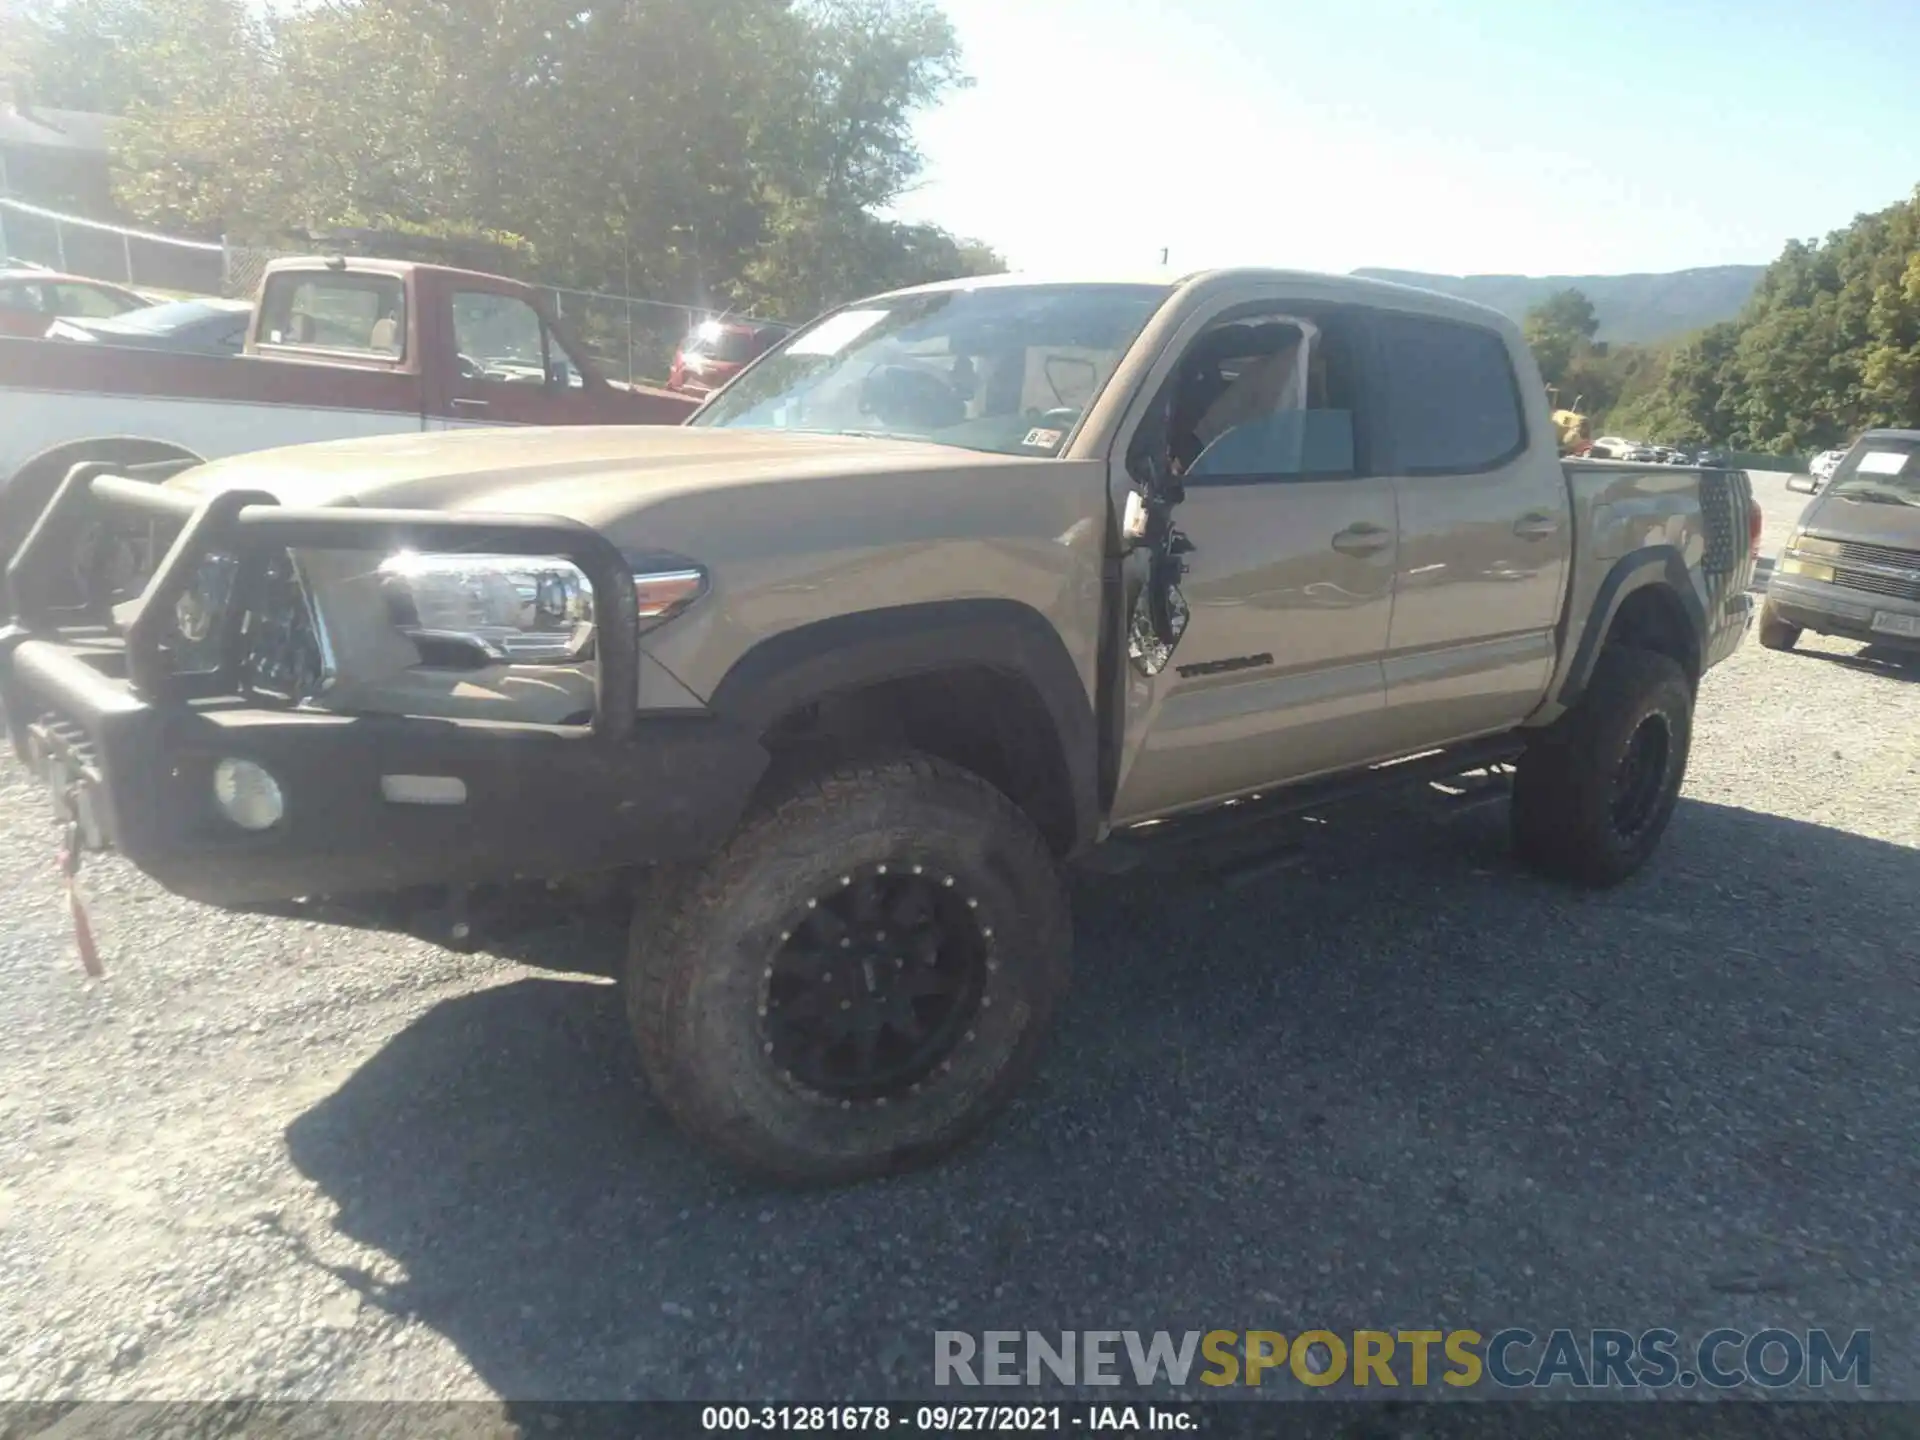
[136, 743]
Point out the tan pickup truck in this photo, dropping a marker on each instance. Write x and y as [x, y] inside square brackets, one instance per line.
[944, 591]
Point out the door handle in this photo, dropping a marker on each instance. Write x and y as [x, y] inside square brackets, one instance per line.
[467, 402]
[1363, 539]
[1536, 526]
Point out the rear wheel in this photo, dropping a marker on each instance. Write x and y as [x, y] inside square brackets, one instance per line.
[860, 980]
[1594, 792]
[1775, 633]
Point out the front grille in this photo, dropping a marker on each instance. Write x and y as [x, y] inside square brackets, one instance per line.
[1877, 584]
[1859, 554]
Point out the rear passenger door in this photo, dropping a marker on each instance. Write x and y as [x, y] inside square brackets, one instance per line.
[1485, 532]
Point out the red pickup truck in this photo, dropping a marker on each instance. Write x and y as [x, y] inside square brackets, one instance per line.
[338, 348]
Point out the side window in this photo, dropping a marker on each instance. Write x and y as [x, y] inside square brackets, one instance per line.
[1264, 399]
[348, 311]
[24, 296]
[85, 302]
[1451, 404]
[501, 339]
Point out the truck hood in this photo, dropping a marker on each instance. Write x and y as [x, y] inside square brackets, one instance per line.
[1833, 517]
[593, 474]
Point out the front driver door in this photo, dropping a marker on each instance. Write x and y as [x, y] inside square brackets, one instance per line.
[1289, 593]
[509, 366]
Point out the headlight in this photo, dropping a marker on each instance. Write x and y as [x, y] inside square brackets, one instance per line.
[200, 613]
[511, 607]
[1813, 570]
[1802, 544]
[516, 609]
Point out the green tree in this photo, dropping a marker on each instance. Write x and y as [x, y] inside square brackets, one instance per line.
[1561, 329]
[734, 153]
[87, 54]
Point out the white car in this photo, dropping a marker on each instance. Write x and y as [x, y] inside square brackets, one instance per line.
[1819, 471]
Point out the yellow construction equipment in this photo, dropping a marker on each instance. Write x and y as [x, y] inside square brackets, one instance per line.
[1575, 437]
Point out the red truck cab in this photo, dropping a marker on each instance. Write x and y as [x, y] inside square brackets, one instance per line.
[466, 347]
[339, 348]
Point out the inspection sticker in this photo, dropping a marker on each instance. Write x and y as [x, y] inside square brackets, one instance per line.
[1042, 439]
[1883, 462]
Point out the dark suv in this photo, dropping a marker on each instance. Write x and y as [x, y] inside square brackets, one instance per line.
[719, 350]
[1851, 567]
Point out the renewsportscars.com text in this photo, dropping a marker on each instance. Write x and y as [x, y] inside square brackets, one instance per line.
[1406, 1359]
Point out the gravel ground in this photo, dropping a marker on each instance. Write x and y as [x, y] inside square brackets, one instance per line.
[1405, 1085]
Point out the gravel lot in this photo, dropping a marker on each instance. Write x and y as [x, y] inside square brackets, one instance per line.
[1405, 1085]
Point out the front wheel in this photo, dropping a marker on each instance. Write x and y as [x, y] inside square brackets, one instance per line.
[1775, 633]
[859, 980]
[1593, 792]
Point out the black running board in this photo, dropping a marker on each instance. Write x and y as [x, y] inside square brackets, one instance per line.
[1226, 840]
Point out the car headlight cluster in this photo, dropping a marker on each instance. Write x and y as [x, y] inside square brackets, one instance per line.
[508, 608]
[1809, 556]
[515, 609]
[459, 611]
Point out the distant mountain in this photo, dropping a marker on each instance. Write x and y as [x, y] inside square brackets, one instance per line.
[1630, 307]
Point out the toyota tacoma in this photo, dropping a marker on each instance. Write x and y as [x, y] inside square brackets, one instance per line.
[944, 591]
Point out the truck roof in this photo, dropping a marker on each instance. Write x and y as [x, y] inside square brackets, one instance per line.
[1358, 289]
[376, 265]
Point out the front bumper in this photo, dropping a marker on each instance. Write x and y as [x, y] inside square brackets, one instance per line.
[1828, 609]
[132, 752]
[538, 804]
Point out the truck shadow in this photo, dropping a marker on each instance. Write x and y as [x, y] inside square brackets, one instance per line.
[1406, 1082]
[1885, 660]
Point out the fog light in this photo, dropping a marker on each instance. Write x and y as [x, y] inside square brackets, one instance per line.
[248, 794]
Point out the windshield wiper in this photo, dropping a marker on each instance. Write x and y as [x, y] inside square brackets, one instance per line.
[1874, 495]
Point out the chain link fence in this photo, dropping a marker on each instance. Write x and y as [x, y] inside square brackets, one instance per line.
[139, 259]
[632, 338]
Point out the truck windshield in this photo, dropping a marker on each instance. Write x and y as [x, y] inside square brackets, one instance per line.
[1880, 470]
[1003, 368]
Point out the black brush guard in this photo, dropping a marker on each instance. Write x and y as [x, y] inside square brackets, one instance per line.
[134, 744]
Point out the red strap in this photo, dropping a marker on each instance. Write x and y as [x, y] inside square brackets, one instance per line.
[83, 934]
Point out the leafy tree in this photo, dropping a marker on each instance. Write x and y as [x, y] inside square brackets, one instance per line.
[1560, 329]
[1828, 346]
[86, 54]
[731, 154]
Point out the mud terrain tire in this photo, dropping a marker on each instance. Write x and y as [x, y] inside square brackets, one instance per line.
[724, 986]
[1594, 791]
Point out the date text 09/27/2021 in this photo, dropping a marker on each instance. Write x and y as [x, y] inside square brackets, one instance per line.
[949, 1419]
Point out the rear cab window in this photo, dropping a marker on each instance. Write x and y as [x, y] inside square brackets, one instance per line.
[352, 312]
[1449, 400]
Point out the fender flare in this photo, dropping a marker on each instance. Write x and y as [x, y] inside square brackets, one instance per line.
[1653, 566]
[851, 652]
[25, 493]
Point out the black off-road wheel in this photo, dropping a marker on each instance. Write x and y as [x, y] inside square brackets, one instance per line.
[859, 981]
[1593, 793]
[1775, 633]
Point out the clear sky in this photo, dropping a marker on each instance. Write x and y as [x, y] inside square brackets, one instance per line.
[1461, 136]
